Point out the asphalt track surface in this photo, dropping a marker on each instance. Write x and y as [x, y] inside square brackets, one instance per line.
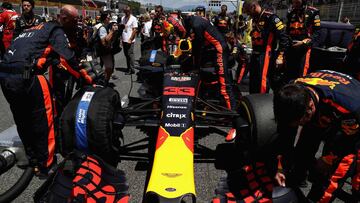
[206, 176]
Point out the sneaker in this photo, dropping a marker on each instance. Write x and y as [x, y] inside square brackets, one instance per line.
[231, 135]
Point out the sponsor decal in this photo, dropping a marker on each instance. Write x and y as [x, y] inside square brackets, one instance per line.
[339, 77]
[170, 189]
[280, 27]
[318, 81]
[181, 79]
[179, 100]
[156, 64]
[176, 107]
[82, 111]
[175, 115]
[87, 96]
[186, 91]
[81, 116]
[175, 125]
[37, 27]
[11, 51]
[25, 35]
[171, 175]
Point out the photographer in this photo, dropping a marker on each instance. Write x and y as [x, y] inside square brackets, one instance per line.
[116, 40]
[130, 24]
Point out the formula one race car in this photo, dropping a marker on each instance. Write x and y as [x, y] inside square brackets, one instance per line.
[178, 116]
[173, 120]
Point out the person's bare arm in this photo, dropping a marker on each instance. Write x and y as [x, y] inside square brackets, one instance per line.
[134, 32]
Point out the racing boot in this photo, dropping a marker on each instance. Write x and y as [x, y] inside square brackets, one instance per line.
[231, 135]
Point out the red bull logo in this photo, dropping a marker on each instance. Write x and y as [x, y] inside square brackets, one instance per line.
[257, 40]
[222, 23]
[296, 25]
[256, 35]
[318, 81]
[168, 27]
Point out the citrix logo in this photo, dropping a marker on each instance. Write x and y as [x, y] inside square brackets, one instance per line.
[175, 115]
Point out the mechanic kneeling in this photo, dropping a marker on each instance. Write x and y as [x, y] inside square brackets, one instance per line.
[28, 91]
[327, 106]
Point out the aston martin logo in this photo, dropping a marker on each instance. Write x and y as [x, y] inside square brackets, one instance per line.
[171, 175]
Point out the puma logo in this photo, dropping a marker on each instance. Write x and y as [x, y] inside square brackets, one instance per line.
[11, 52]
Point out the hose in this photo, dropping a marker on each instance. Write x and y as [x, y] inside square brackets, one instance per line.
[18, 187]
[8, 158]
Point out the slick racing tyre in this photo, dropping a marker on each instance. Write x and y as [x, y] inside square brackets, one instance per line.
[92, 115]
[257, 110]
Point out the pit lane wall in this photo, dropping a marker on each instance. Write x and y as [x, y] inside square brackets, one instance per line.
[48, 8]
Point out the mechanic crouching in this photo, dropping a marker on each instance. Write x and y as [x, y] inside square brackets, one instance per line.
[322, 106]
[202, 32]
[28, 91]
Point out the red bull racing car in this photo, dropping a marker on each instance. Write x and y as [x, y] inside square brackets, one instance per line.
[174, 119]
